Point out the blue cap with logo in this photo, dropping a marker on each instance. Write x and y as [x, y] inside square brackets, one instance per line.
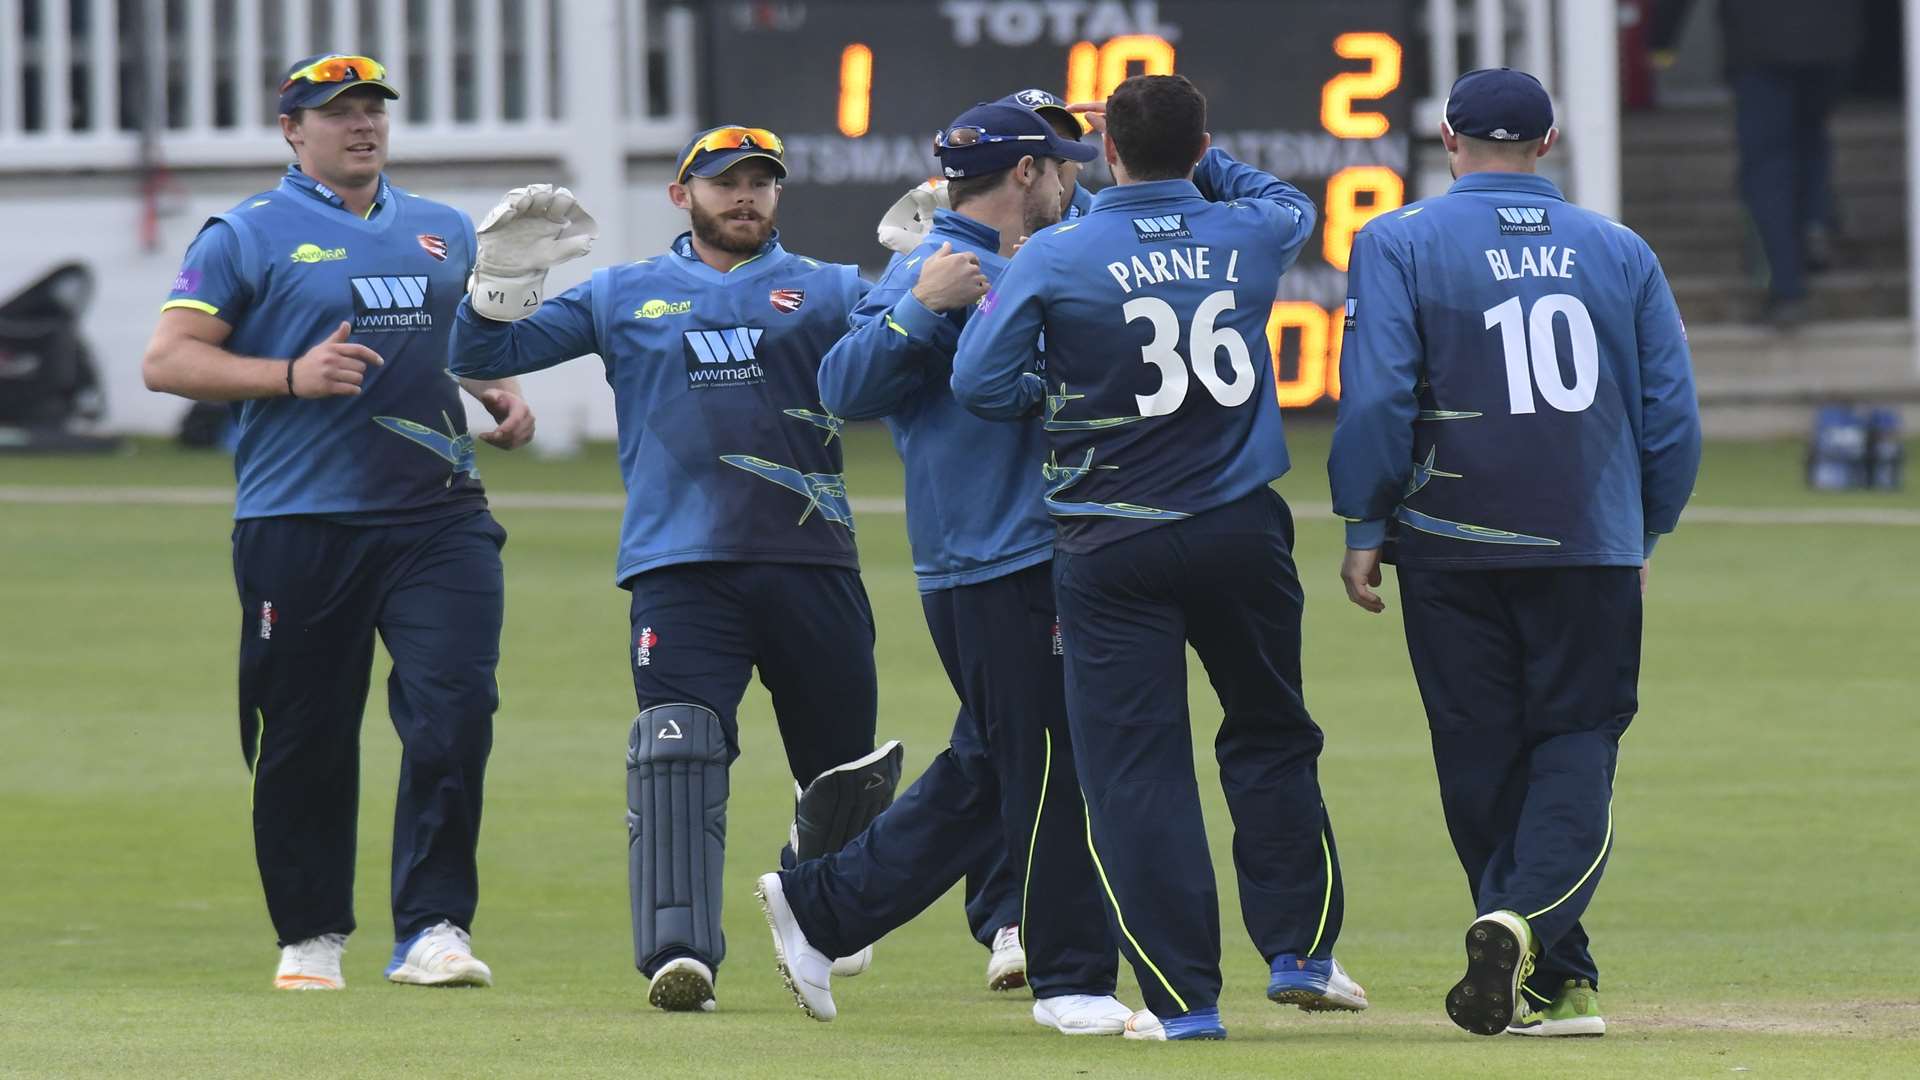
[1499, 104]
[989, 138]
[315, 80]
[1050, 107]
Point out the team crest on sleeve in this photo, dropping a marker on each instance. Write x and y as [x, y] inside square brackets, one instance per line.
[435, 246]
[787, 301]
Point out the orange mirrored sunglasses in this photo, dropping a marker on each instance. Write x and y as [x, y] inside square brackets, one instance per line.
[333, 69]
[732, 138]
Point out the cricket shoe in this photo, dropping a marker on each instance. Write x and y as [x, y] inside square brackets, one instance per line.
[1082, 1014]
[1500, 951]
[313, 964]
[807, 971]
[1199, 1024]
[1314, 985]
[1575, 1012]
[847, 967]
[440, 955]
[1007, 964]
[682, 984]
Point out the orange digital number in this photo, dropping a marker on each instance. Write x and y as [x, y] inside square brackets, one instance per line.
[856, 90]
[1346, 214]
[1094, 70]
[1309, 321]
[1381, 78]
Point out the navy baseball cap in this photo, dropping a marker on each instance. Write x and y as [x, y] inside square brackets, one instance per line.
[1500, 104]
[718, 149]
[316, 80]
[991, 137]
[1047, 105]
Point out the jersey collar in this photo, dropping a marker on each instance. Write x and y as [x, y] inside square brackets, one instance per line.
[314, 189]
[1528, 183]
[1150, 191]
[689, 260]
[957, 226]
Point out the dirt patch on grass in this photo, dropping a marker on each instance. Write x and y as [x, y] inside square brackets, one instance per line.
[1895, 1019]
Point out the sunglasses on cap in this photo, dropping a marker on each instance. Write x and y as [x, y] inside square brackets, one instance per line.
[333, 69]
[731, 138]
[963, 137]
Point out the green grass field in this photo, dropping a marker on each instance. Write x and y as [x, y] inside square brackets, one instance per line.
[1758, 916]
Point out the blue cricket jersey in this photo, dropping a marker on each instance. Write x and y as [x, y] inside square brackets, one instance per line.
[1158, 388]
[284, 268]
[1515, 384]
[725, 451]
[974, 510]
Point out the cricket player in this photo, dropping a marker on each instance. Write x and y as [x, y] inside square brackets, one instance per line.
[982, 549]
[1517, 405]
[321, 310]
[993, 894]
[1164, 432]
[737, 544]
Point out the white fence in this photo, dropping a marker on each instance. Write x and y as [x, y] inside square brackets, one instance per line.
[104, 84]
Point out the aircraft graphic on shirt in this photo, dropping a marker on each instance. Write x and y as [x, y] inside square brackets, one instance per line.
[454, 448]
[1061, 477]
[825, 492]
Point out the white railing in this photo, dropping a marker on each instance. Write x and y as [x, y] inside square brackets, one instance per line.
[1584, 83]
[103, 84]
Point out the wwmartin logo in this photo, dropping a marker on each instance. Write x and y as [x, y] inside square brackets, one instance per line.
[1161, 227]
[723, 357]
[390, 304]
[1524, 220]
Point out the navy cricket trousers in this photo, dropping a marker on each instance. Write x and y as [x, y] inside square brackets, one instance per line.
[1006, 783]
[701, 630]
[1224, 582]
[1529, 678]
[313, 593]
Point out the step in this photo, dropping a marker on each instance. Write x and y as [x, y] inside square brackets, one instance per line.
[1845, 295]
[1689, 129]
[1716, 174]
[1720, 258]
[1862, 212]
[1739, 361]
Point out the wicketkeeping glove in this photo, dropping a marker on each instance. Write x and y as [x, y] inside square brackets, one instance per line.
[532, 230]
[909, 220]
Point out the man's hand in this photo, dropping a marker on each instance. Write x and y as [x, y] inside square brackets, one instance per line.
[334, 368]
[532, 230]
[950, 279]
[513, 421]
[1093, 112]
[1361, 573]
[1645, 569]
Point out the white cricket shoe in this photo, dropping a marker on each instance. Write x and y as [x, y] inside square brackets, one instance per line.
[313, 964]
[1007, 965]
[848, 966]
[807, 971]
[1145, 1025]
[440, 955]
[682, 984]
[1082, 1014]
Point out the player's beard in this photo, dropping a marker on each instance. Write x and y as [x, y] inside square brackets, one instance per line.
[717, 232]
[1041, 209]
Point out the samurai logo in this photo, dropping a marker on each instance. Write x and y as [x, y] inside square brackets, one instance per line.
[643, 647]
[452, 446]
[267, 618]
[1059, 646]
[787, 301]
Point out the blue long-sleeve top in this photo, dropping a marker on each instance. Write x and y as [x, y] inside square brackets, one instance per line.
[974, 489]
[1158, 387]
[725, 450]
[1516, 388]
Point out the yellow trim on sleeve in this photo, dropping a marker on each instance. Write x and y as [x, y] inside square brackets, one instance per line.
[197, 305]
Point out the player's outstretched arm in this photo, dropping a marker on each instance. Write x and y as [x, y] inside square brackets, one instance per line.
[1669, 410]
[505, 325]
[901, 334]
[996, 364]
[187, 356]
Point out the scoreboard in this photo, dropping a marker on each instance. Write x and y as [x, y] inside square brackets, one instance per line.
[1310, 91]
